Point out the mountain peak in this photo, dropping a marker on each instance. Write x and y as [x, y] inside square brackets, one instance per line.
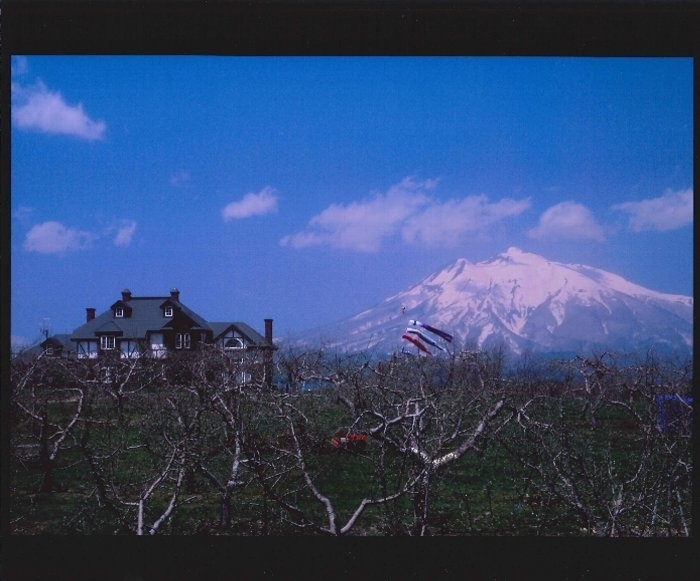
[523, 301]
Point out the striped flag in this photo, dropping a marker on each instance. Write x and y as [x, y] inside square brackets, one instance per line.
[416, 342]
[425, 338]
[446, 336]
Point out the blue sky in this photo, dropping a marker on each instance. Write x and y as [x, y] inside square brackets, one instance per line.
[308, 189]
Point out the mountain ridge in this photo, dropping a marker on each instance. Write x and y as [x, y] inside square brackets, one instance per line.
[523, 302]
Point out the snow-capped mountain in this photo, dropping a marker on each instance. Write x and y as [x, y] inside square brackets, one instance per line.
[522, 302]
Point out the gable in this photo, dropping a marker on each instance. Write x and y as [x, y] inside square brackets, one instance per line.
[122, 306]
[109, 328]
[223, 332]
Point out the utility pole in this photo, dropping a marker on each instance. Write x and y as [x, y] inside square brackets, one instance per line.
[44, 329]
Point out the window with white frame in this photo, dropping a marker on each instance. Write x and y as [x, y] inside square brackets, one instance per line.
[119, 312]
[182, 341]
[107, 342]
[168, 312]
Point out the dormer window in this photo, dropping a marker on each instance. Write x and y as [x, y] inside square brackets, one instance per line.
[121, 310]
[107, 342]
[168, 312]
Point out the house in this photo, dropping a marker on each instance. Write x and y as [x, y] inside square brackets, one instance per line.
[57, 345]
[54, 346]
[155, 326]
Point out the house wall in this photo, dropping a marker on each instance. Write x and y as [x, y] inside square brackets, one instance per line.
[87, 349]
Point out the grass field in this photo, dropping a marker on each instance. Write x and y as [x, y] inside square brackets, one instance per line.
[576, 464]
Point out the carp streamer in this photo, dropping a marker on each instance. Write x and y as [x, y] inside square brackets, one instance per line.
[420, 339]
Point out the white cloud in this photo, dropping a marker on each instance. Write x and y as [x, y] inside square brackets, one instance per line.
[445, 224]
[668, 212]
[364, 225]
[53, 237]
[406, 209]
[125, 233]
[568, 220]
[36, 108]
[264, 202]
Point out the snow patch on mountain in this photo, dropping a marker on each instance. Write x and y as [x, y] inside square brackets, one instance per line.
[522, 301]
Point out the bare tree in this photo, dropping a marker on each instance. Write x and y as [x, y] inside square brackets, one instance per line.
[138, 464]
[284, 468]
[121, 377]
[48, 401]
[596, 457]
[217, 390]
[594, 445]
[432, 413]
[420, 416]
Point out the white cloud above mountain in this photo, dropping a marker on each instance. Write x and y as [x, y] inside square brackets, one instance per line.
[444, 224]
[568, 220]
[364, 225]
[674, 209]
[407, 208]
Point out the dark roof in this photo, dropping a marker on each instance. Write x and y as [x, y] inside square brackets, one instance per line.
[255, 339]
[110, 327]
[59, 340]
[146, 315]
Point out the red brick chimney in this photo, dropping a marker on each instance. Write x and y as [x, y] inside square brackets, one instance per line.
[268, 331]
[126, 295]
[175, 294]
[90, 312]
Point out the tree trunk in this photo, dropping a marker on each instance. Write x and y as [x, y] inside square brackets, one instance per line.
[45, 456]
[225, 512]
[420, 507]
[120, 410]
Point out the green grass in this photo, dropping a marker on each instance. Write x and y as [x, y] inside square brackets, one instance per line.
[476, 496]
[482, 494]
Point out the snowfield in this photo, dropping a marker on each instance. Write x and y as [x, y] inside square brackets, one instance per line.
[523, 302]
